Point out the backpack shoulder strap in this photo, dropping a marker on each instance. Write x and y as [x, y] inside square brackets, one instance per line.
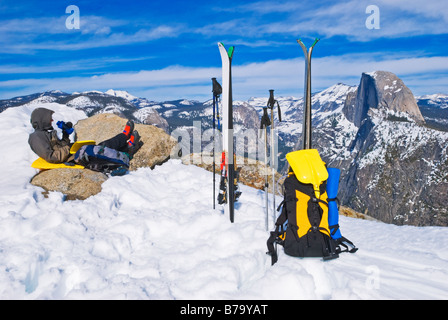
[279, 229]
[347, 245]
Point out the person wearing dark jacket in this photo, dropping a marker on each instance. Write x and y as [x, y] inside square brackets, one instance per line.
[45, 143]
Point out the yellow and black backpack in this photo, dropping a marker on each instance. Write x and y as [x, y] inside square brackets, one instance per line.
[302, 227]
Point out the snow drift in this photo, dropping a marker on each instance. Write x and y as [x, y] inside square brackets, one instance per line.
[152, 234]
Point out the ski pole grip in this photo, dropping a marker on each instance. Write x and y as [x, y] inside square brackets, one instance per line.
[265, 121]
[271, 100]
[217, 89]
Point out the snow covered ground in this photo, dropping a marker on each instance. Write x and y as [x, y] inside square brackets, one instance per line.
[153, 234]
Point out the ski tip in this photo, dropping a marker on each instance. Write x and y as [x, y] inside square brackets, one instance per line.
[316, 40]
[230, 52]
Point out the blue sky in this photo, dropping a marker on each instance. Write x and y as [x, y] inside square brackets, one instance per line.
[164, 50]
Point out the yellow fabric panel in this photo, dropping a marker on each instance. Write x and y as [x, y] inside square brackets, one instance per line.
[44, 165]
[302, 213]
[308, 167]
[78, 144]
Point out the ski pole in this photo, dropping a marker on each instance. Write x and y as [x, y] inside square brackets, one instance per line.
[271, 104]
[265, 122]
[217, 90]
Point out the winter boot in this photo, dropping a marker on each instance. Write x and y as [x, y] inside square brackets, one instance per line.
[129, 128]
[134, 143]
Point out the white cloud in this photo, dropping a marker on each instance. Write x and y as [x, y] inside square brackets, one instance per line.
[434, 9]
[345, 18]
[68, 66]
[50, 33]
[254, 79]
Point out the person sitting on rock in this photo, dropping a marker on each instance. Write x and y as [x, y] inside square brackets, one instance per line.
[45, 143]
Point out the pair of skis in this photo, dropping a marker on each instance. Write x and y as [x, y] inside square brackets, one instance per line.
[228, 191]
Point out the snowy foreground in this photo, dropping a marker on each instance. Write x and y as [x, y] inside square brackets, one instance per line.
[153, 234]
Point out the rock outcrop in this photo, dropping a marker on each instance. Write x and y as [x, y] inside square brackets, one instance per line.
[252, 172]
[75, 184]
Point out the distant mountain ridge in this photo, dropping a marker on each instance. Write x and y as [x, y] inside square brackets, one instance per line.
[390, 145]
[395, 166]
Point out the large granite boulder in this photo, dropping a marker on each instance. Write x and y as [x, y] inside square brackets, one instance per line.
[75, 184]
[157, 146]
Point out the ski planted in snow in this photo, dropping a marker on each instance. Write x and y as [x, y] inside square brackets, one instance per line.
[228, 193]
[306, 128]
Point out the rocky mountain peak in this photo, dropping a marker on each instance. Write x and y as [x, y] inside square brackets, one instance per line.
[382, 90]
